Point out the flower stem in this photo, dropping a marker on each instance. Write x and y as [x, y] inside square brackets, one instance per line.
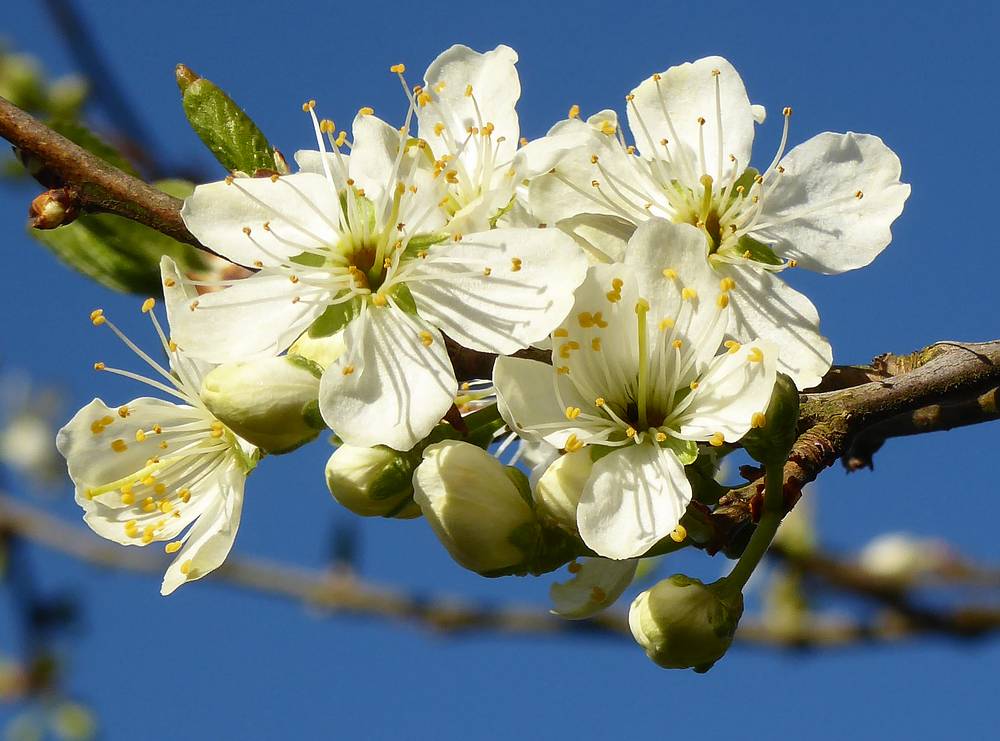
[761, 539]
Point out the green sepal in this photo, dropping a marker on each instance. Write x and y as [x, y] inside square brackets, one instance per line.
[404, 299]
[599, 451]
[335, 318]
[422, 242]
[306, 364]
[119, 253]
[772, 442]
[228, 132]
[746, 180]
[519, 480]
[500, 212]
[701, 476]
[685, 450]
[750, 249]
[367, 211]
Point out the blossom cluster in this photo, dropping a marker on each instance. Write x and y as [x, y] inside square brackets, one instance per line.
[628, 282]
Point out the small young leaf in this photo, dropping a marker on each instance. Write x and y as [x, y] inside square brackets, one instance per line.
[222, 125]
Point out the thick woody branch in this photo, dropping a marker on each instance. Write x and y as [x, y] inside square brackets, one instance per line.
[338, 592]
[92, 183]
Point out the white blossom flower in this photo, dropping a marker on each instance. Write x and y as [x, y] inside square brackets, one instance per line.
[636, 374]
[826, 206]
[355, 243]
[150, 469]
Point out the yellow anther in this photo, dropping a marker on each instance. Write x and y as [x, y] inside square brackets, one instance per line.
[348, 370]
[595, 183]
[173, 547]
[164, 445]
[97, 319]
[669, 273]
[451, 176]
[128, 497]
[787, 111]
[366, 111]
[147, 535]
[515, 264]
[693, 385]
[522, 141]
[106, 420]
[308, 106]
[727, 284]
[666, 323]
[716, 440]
[398, 68]
[96, 427]
[166, 507]
[327, 126]
[722, 301]
[422, 100]
[599, 401]
[756, 355]
[660, 437]
[193, 305]
[140, 436]
[438, 128]
[124, 411]
[594, 159]
[160, 489]
[701, 121]
[793, 263]
[613, 296]
[657, 77]
[678, 534]
[148, 480]
[677, 344]
[688, 294]
[148, 505]
[157, 429]
[716, 73]
[586, 319]
[859, 195]
[597, 594]
[574, 567]
[379, 300]
[118, 445]
[426, 338]
[468, 91]
[572, 412]
[629, 98]
[563, 370]
[732, 346]
[439, 87]
[608, 128]
[186, 567]
[488, 129]
[567, 347]
[630, 432]
[595, 344]
[341, 138]
[561, 332]
[131, 527]
[572, 444]
[758, 419]
[599, 320]
[574, 111]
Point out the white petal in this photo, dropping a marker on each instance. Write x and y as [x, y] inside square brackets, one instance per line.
[636, 497]
[759, 113]
[764, 306]
[373, 156]
[178, 293]
[300, 210]
[256, 317]
[541, 155]
[730, 392]
[529, 289]
[110, 456]
[311, 160]
[689, 94]
[597, 585]
[495, 90]
[602, 237]
[526, 397]
[210, 540]
[836, 231]
[389, 387]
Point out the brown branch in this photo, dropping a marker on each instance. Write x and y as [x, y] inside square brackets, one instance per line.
[342, 593]
[95, 185]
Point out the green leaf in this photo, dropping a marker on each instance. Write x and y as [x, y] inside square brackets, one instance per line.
[118, 253]
[335, 318]
[751, 249]
[231, 135]
[84, 137]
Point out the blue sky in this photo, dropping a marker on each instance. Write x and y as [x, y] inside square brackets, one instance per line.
[213, 662]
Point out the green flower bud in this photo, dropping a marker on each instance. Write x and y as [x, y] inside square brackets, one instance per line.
[373, 482]
[685, 624]
[272, 403]
[479, 509]
[558, 491]
[775, 430]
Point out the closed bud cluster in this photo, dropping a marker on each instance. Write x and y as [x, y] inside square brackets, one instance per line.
[271, 403]
[685, 624]
[373, 482]
[479, 509]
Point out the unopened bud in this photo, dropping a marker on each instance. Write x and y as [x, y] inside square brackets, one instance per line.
[773, 439]
[557, 493]
[52, 209]
[272, 403]
[685, 624]
[185, 76]
[373, 482]
[479, 509]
